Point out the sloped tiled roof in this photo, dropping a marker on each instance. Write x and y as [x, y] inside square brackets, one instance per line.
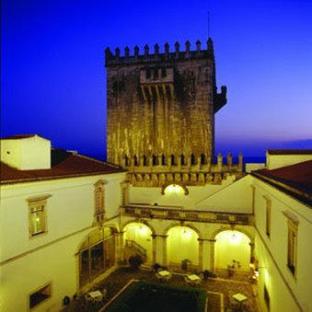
[295, 180]
[290, 152]
[63, 165]
[18, 136]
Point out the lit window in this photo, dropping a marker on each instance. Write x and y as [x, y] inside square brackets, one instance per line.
[99, 202]
[39, 296]
[37, 215]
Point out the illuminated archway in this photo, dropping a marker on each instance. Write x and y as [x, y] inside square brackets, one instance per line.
[174, 190]
[182, 244]
[232, 245]
[138, 240]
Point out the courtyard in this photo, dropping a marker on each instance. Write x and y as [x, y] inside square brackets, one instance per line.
[220, 290]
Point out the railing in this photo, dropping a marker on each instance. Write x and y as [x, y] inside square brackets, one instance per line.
[139, 249]
[178, 213]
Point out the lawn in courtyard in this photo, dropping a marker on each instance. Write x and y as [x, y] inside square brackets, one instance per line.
[145, 296]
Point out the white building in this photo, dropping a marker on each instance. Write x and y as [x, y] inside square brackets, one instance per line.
[59, 210]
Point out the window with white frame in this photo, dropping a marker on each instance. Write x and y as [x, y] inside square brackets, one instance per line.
[37, 215]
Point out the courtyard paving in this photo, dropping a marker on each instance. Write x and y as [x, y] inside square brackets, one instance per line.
[220, 290]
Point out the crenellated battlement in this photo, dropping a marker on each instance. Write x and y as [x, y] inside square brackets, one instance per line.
[166, 56]
[157, 170]
[161, 105]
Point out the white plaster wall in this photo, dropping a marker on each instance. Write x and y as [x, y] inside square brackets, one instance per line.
[152, 195]
[277, 161]
[276, 244]
[56, 264]
[236, 197]
[30, 262]
[11, 152]
[113, 195]
[253, 166]
[36, 153]
[280, 297]
[27, 153]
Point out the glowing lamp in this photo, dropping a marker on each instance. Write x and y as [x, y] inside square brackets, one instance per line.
[235, 238]
[174, 189]
[186, 234]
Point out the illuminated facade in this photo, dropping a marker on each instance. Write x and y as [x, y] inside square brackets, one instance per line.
[160, 116]
[165, 193]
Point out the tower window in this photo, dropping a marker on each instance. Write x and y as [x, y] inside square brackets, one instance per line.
[163, 72]
[193, 159]
[156, 74]
[148, 74]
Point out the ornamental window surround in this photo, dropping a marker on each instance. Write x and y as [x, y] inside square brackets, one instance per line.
[37, 215]
[292, 241]
[99, 202]
[268, 209]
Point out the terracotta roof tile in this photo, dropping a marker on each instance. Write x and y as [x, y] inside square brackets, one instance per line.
[296, 179]
[63, 165]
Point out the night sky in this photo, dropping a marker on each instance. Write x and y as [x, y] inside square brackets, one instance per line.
[53, 75]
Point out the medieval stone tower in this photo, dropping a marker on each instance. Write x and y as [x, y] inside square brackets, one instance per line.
[160, 112]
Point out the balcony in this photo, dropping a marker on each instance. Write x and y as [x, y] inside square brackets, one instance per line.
[180, 214]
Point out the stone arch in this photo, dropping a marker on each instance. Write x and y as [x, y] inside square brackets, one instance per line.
[182, 185]
[203, 159]
[183, 160]
[231, 228]
[163, 160]
[193, 159]
[138, 240]
[138, 221]
[233, 249]
[172, 160]
[188, 236]
[155, 160]
[135, 161]
[191, 226]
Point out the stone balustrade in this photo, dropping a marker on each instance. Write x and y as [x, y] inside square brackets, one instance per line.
[178, 213]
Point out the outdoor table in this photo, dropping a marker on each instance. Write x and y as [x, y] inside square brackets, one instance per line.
[193, 279]
[163, 275]
[94, 296]
[240, 298]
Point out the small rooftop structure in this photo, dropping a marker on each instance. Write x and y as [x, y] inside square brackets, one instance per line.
[29, 158]
[26, 152]
[281, 158]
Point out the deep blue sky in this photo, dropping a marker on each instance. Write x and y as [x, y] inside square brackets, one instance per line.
[53, 76]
